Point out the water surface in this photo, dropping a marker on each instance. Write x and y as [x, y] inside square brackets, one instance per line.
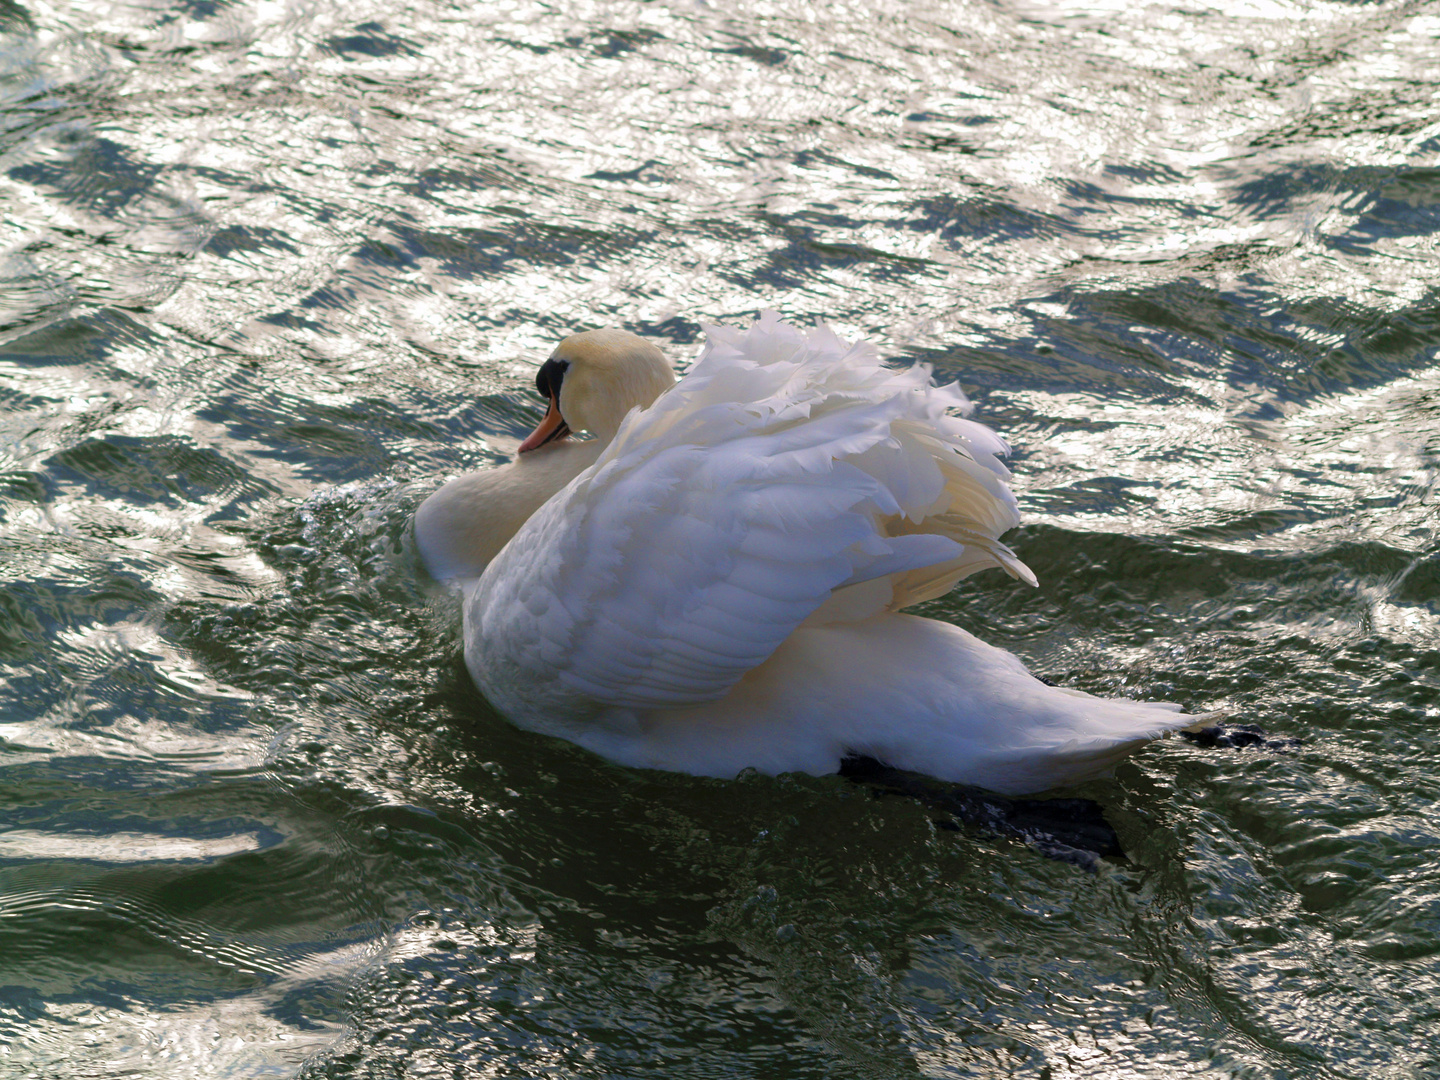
[272, 271]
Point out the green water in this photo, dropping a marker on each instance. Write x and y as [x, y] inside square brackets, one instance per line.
[271, 271]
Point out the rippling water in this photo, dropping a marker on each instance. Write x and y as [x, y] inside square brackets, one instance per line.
[273, 269]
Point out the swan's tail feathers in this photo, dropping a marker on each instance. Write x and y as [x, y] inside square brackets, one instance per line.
[1207, 719]
[1085, 744]
[1118, 728]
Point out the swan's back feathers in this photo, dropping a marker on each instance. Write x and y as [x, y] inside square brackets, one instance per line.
[788, 477]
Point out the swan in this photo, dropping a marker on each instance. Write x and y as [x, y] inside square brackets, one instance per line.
[716, 580]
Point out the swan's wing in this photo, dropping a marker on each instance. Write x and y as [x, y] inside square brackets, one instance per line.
[787, 477]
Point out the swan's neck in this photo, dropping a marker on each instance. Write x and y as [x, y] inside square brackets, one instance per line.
[462, 527]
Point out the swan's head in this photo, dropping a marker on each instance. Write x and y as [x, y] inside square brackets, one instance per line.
[593, 379]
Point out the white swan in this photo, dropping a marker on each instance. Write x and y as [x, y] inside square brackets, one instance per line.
[715, 580]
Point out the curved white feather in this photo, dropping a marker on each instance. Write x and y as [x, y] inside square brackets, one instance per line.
[788, 477]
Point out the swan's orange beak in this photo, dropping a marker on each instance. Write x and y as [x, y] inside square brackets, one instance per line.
[553, 427]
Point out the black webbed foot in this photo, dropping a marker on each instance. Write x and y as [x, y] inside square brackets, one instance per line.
[1236, 737]
[1070, 830]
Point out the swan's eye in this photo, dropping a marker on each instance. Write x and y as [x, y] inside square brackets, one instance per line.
[550, 376]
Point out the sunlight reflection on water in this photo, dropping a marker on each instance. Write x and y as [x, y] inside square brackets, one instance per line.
[273, 270]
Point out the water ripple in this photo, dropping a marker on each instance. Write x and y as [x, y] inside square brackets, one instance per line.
[271, 272]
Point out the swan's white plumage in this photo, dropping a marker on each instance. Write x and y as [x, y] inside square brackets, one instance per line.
[722, 587]
[461, 527]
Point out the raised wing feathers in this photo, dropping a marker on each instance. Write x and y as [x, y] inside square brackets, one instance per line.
[784, 470]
